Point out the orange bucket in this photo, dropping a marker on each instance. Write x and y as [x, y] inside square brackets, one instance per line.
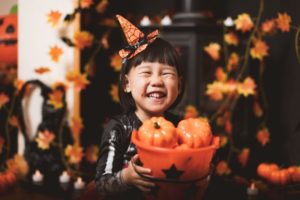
[178, 173]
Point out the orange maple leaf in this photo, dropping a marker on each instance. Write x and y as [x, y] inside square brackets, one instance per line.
[268, 26]
[243, 22]
[3, 99]
[222, 168]
[86, 3]
[190, 112]
[257, 109]
[83, 39]
[41, 70]
[44, 139]
[116, 62]
[263, 136]
[91, 153]
[233, 62]
[54, 17]
[213, 49]
[231, 39]
[55, 99]
[55, 53]
[80, 80]
[114, 93]
[220, 74]
[247, 87]
[260, 49]
[243, 157]
[283, 22]
[215, 90]
[74, 153]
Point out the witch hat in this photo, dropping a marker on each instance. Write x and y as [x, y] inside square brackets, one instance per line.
[136, 39]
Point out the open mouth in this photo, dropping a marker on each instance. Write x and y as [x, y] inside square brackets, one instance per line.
[156, 95]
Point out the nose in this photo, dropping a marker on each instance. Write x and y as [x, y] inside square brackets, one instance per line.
[156, 81]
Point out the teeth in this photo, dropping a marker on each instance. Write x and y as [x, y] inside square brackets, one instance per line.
[156, 95]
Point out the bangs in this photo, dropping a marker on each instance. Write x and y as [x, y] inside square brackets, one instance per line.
[158, 51]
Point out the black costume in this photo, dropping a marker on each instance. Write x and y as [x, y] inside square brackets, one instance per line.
[116, 150]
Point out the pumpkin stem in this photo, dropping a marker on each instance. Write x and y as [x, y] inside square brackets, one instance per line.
[156, 125]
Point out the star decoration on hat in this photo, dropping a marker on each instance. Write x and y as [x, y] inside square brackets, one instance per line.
[136, 39]
[173, 172]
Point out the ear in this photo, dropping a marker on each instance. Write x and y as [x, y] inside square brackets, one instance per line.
[126, 84]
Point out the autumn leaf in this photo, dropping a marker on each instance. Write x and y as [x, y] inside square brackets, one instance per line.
[80, 80]
[18, 165]
[74, 153]
[263, 136]
[231, 39]
[215, 90]
[3, 99]
[54, 17]
[258, 112]
[222, 168]
[55, 52]
[59, 85]
[56, 99]
[42, 70]
[116, 62]
[13, 121]
[114, 93]
[86, 3]
[233, 62]
[44, 139]
[76, 127]
[260, 50]
[243, 22]
[220, 74]
[243, 157]
[268, 26]
[190, 112]
[213, 50]
[83, 39]
[247, 87]
[91, 154]
[101, 6]
[283, 22]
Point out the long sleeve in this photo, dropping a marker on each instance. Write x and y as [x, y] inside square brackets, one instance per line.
[110, 163]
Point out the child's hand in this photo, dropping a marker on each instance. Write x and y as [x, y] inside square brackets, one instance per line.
[131, 177]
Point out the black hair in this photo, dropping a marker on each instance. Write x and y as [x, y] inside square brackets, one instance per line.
[158, 51]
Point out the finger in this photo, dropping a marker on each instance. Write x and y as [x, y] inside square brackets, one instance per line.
[142, 170]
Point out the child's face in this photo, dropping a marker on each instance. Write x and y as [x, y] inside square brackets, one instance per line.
[154, 87]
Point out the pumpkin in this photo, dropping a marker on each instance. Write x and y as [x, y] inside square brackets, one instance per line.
[157, 131]
[294, 173]
[194, 132]
[280, 177]
[264, 169]
[8, 39]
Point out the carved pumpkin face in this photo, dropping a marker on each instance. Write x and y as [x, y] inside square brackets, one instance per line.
[8, 39]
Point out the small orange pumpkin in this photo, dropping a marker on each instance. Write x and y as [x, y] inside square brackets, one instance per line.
[9, 39]
[265, 169]
[280, 177]
[194, 132]
[157, 131]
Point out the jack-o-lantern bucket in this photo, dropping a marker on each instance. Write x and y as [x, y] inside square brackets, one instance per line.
[178, 173]
[9, 39]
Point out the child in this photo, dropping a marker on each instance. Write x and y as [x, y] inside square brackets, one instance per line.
[151, 82]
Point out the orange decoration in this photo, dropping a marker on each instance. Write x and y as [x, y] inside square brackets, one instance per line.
[9, 39]
[42, 70]
[158, 131]
[194, 132]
